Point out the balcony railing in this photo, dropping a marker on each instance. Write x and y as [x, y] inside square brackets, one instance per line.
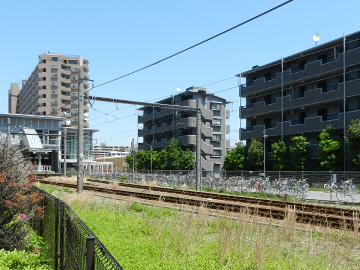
[330, 88]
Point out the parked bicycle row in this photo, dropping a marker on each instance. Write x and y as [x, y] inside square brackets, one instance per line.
[281, 186]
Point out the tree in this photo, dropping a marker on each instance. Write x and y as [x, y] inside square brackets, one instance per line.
[18, 201]
[169, 158]
[300, 152]
[234, 159]
[352, 137]
[173, 158]
[256, 154]
[330, 151]
[281, 154]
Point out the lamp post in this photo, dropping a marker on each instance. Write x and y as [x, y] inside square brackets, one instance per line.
[151, 149]
[264, 150]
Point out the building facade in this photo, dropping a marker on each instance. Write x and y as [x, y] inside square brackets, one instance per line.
[160, 125]
[303, 94]
[52, 89]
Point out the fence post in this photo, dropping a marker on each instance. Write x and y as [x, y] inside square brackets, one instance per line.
[62, 236]
[90, 253]
[56, 259]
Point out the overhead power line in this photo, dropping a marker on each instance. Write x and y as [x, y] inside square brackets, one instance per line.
[197, 44]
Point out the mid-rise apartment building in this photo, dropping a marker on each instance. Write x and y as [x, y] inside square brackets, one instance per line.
[52, 88]
[160, 125]
[302, 94]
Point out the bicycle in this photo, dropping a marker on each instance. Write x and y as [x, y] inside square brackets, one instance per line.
[301, 188]
[330, 186]
[347, 188]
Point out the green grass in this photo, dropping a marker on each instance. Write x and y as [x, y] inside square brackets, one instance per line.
[145, 237]
[34, 257]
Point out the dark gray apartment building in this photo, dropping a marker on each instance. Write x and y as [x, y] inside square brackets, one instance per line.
[302, 94]
[160, 125]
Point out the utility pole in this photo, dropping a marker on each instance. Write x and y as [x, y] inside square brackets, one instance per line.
[198, 147]
[80, 156]
[8, 131]
[65, 147]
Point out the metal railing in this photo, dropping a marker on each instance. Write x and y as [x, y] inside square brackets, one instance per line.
[72, 245]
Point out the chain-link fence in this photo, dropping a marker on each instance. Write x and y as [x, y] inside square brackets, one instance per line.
[72, 244]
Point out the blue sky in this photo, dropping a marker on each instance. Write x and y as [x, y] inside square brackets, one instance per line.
[118, 37]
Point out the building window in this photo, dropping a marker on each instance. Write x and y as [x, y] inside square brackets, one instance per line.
[54, 59]
[74, 69]
[74, 111]
[74, 95]
[73, 62]
[353, 104]
[353, 73]
[75, 120]
[177, 132]
[74, 86]
[54, 66]
[54, 75]
[217, 153]
[53, 110]
[215, 106]
[217, 137]
[74, 103]
[54, 101]
[216, 121]
[74, 78]
[54, 92]
[67, 69]
[54, 84]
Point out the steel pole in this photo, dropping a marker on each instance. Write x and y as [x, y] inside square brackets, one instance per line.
[344, 101]
[80, 157]
[282, 99]
[65, 147]
[198, 148]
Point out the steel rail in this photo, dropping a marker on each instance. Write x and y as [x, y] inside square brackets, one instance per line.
[323, 216]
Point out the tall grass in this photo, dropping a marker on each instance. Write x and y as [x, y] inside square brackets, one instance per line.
[145, 237]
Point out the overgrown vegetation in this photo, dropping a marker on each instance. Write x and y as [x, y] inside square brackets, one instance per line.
[20, 247]
[146, 237]
[18, 203]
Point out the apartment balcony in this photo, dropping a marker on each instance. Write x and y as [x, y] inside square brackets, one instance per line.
[311, 70]
[86, 109]
[227, 114]
[86, 125]
[145, 131]
[163, 113]
[206, 148]
[206, 165]
[66, 70]
[227, 144]
[86, 84]
[85, 67]
[227, 129]
[206, 131]
[311, 97]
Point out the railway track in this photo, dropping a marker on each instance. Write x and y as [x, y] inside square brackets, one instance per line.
[324, 216]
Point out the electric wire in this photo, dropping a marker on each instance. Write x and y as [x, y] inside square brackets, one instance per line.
[197, 44]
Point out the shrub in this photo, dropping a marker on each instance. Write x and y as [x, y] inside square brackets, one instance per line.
[18, 203]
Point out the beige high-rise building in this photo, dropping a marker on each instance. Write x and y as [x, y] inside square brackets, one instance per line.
[52, 88]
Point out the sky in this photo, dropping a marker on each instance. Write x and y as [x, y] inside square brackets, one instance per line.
[119, 37]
